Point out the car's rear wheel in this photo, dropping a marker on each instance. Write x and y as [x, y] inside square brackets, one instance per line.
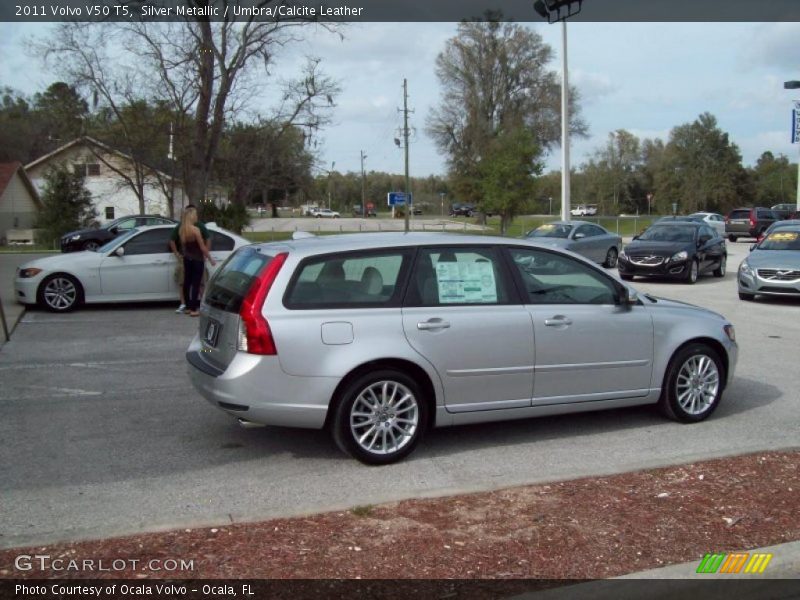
[693, 272]
[746, 296]
[611, 258]
[720, 270]
[731, 238]
[693, 384]
[91, 245]
[380, 417]
[60, 293]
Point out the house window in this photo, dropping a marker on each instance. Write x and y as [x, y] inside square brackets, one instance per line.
[110, 213]
[80, 170]
[93, 169]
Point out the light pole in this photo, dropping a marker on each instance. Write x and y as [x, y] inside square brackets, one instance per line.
[330, 187]
[794, 85]
[441, 197]
[553, 11]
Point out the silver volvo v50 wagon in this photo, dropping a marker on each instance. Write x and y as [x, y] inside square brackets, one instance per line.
[379, 337]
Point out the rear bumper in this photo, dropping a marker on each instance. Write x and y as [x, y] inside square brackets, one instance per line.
[255, 388]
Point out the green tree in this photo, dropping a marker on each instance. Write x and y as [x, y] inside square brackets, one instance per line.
[494, 78]
[507, 174]
[701, 169]
[774, 179]
[613, 175]
[66, 204]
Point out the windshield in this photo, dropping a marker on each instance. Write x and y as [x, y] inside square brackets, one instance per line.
[551, 230]
[116, 241]
[781, 240]
[668, 233]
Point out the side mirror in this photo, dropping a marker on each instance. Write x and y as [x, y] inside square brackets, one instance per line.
[114, 230]
[119, 252]
[579, 236]
[636, 237]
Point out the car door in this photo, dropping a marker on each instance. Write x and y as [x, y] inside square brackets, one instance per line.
[712, 249]
[588, 345]
[462, 314]
[144, 271]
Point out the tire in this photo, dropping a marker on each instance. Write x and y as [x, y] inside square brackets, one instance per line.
[90, 245]
[692, 384]
[611, 258]
[731, 237]
[746, 296]
[693, 273]
[60, 293]
[626, 277]
[370, 404]
[720, 270]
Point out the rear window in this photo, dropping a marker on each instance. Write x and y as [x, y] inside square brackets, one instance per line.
[233, 279]
[739, 214]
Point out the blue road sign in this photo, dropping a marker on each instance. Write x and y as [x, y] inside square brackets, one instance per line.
[399, 198]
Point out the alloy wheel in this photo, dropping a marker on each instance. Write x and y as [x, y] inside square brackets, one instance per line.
[60, 293]
[384, 417]
[697, 384]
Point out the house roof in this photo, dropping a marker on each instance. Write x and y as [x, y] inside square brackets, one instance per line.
[7, 172]
[81, 141]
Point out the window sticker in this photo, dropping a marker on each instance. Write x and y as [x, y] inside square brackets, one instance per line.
[466, 283]
[783, 236]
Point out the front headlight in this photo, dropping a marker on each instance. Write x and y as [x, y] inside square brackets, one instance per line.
[31, 272]
[75, 237]
[679, 256]
[745, 269]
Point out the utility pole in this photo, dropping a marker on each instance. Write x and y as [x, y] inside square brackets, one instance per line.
[405, 139]
[363, 186]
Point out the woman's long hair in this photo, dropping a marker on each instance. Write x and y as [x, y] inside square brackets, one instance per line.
[188, 219]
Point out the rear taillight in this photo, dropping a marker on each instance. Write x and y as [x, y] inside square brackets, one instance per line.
[255, 335]
[752, 218]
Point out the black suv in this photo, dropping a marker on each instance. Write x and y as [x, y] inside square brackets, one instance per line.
[92, 239]
[748, 222]
[462, 210]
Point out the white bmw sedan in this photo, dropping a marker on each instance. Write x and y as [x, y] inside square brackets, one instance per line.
[137, 266]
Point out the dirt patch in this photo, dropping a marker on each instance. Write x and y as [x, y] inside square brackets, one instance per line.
[586, 528]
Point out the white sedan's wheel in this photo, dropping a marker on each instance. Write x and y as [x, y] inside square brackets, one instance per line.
[60, 293]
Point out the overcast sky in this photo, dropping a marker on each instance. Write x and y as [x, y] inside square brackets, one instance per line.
[643, 77]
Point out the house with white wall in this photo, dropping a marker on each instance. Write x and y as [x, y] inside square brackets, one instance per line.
[105, 170]
[19, 203]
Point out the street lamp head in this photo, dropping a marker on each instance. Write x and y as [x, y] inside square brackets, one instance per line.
[791, 85]
[557, 10]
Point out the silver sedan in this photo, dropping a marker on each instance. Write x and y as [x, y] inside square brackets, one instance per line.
[587, 239]
[773, 266]
[136, 266]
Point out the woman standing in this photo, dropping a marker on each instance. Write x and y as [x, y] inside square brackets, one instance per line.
[195, 254]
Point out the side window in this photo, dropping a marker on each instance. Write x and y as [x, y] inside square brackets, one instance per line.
[550, 278]
[220, 241]
[584, 230]
[447, 276]
[342, 280]
[595, 230]
[148, 242]
[705, 230]
[126, 224]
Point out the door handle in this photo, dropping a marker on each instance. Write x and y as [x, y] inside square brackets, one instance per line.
[432, 325]
[558, 321]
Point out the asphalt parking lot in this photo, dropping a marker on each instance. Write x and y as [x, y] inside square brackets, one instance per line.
[102, 433]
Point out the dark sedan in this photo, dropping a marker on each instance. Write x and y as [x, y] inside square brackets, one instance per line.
[676, 250]
[93, 238]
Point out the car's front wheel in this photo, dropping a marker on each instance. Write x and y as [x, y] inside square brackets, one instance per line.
[692, 384]
[693, 273]
[611, 258]
[625, 277]
[380, 417]
[60, 293]
[720, 270]
[746, 296]
[91, 245]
